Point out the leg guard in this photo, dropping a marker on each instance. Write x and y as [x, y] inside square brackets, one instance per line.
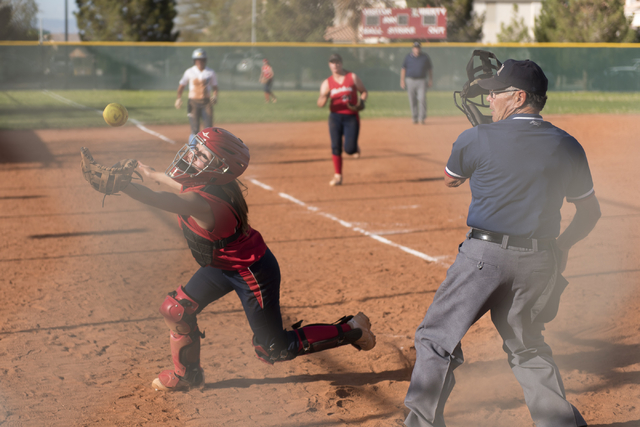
[354, 330]
[179, 310]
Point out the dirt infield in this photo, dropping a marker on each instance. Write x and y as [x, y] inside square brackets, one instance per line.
[82, 339]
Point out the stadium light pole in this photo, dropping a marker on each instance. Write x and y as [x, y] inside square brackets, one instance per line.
[253, 21]
[66, 20]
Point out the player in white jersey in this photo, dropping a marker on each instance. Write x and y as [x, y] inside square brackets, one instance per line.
[203, 92]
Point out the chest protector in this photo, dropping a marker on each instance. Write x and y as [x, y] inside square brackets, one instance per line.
[202, 248]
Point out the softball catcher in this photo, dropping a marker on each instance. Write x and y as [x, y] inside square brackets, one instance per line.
[213, 215]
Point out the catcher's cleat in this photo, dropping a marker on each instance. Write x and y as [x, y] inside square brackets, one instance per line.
[367, 341]
[337, 180]
[169, 381]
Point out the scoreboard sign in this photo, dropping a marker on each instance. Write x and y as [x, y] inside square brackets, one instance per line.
[414, 23]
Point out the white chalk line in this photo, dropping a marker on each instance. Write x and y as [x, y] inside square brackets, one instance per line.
[346, 224]
[137, 123]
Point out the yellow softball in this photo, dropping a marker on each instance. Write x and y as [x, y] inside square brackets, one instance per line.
[115, 114]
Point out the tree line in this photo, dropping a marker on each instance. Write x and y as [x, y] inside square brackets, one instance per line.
[306, 20]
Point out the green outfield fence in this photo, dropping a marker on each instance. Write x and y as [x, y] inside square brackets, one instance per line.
[159, 66]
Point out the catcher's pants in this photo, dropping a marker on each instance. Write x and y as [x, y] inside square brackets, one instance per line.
[258, 288]
[487, 277]
[417, 90]
[199, 109]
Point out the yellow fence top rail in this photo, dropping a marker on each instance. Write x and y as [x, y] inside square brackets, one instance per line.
[334, 45]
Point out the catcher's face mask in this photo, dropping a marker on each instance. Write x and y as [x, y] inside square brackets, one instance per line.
[464, 99]
[195, 159]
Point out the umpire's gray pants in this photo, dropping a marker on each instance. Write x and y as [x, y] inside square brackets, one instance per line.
[486, 276]
[417, 90]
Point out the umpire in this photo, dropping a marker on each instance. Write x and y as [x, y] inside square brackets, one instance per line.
[520, 169]
[416, 76]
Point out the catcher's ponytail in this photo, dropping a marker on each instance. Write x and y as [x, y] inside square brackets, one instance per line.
[235, 192]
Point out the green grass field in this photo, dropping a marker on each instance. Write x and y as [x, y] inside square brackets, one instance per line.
[72, 109]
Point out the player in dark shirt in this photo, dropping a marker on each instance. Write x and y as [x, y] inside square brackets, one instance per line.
[520, 169]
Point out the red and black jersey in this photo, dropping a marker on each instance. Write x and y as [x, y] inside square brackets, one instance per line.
[266, 72]
[342, 93]
[237, 254]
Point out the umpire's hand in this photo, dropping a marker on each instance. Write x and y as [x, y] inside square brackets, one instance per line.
[564, 257]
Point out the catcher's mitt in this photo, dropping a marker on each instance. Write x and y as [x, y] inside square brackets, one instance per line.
[107, 180]
[357, 107]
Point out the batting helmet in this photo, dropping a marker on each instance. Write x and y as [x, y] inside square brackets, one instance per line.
[229, 159]
[199, 54]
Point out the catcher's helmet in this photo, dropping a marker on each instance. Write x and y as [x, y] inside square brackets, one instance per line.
[229, 159]
[199, 54]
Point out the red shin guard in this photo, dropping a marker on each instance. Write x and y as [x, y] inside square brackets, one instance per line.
[319, 337]
[185, 352]
[314, 338]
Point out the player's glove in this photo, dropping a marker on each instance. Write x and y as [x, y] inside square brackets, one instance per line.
[357, 107]
[107, 180]
[213, 100]
[178, 103]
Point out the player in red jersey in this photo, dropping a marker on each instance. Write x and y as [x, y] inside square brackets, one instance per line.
[266, 79]
[345, 90]
[213, 215]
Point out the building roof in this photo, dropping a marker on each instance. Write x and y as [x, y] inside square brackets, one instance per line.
[341, 34]
[59, 37]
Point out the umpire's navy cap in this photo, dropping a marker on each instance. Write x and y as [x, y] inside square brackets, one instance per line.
[525, 75]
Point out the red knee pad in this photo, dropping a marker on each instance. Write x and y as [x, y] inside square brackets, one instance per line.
[178, 311]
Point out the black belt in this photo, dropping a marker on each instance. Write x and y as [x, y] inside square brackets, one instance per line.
[512, 241]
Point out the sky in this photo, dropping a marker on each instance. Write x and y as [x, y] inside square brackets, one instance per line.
[52, 14]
